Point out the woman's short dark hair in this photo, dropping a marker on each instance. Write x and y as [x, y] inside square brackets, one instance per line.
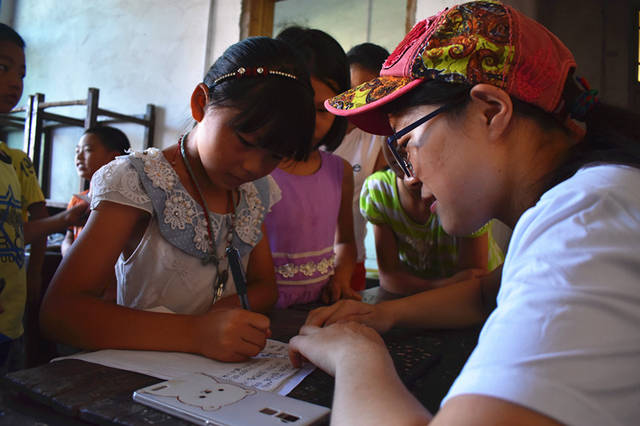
[113, 139]
[9, 34]
[612, 133]
[278, 106]
[327, 62]
[368, 55]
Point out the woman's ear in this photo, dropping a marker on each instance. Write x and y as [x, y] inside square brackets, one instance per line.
[496, 107]
[199, 101]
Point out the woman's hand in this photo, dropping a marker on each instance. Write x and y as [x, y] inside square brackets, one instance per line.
[338, 289]
[345, 346]
[374, 316]
[232, 335]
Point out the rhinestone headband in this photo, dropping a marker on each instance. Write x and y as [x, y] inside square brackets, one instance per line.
[251, 72]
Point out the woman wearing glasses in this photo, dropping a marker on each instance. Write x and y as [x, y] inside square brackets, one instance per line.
[519, 139]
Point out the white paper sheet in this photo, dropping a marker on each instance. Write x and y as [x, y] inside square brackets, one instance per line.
[270, 370]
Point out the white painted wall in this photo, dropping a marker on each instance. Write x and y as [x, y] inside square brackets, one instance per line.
[350, 22]
[224, 28]
[135, 52]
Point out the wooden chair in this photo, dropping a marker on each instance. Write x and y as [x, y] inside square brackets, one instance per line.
[38, 122]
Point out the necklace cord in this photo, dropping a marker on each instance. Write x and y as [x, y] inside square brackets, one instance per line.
[222, 276]
[201, 200]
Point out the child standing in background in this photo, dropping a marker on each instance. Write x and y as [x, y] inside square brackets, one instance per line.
[98, 146]
[362, 149]
[311, 230]
[167, 219]
[23, 215]
[414, 253]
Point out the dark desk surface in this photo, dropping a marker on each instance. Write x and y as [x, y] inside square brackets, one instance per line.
[72, 392]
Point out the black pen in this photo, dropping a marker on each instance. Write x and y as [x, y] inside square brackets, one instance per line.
[238, 276]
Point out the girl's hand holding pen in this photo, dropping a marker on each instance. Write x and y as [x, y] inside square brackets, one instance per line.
[231, 335]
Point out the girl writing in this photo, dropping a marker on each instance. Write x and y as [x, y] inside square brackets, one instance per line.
[166, 218]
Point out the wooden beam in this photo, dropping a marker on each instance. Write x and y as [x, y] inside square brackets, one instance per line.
[411, 15]
[256, 18]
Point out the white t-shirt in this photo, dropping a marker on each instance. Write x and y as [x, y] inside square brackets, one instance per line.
[564, 339]
[361, 150]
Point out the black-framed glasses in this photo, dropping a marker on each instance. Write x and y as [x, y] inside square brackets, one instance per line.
[399, 153]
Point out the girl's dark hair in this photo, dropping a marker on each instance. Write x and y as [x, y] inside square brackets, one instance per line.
[9, 34]
[113, 139]
[613, 134]
[368, 55]
[280, 108]
[327, 62]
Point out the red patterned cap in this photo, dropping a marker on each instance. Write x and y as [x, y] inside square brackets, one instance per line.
[476, 42]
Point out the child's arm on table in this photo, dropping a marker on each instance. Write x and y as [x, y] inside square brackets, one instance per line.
[261, 280]
[461, 304]
[339, 287]
[73, 311]
[395, 278]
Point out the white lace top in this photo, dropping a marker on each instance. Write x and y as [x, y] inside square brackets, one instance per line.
[166, 268]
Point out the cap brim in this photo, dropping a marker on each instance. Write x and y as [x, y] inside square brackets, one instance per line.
[362, 103]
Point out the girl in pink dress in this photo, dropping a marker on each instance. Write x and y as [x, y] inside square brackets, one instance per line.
[311, 230]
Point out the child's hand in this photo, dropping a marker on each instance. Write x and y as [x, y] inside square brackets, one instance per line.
[336, 290]
[373, 316]
[232, 335]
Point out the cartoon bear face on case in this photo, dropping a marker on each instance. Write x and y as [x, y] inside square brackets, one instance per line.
[202, 391]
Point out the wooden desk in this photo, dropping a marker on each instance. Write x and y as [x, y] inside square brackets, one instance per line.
[72, 392]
